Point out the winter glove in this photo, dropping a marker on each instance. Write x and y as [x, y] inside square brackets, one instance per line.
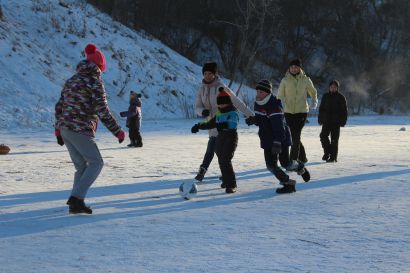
[221, 125]
[195, 129]
[250, 120]
[120, 136]
[276, 147]
[205, 113]
[60, 140]
[124, 114]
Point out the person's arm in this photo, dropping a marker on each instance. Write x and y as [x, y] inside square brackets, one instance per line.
[58, 109]
[102, 109]
[311, 90]
[281, 91]
[238, 103]
[199, 105]
[211, 124]
[276, 118]
[322, 112]
[344, 111]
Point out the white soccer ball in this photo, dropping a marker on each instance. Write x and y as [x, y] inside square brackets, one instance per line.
[188, 190]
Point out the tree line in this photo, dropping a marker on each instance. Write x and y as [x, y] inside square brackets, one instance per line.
[363, 43]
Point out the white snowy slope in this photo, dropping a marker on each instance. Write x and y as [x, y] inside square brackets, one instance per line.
[41, 42]
[352, 217]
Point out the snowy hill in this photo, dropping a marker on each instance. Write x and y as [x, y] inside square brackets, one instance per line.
[42, 42]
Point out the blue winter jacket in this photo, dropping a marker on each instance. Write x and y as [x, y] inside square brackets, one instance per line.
[272, 125]
[224, 120]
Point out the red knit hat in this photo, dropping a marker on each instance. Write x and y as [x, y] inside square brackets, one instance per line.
[96, 56]
[223, 97]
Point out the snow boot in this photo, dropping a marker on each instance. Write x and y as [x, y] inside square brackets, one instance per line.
[331, 160]
[201, 174]
[77, 205]
[131, 145]
[325, 157]
[286, 189]
[295, 166]
[230, 190]
[138, 141]
[223, 185]
[305, 174]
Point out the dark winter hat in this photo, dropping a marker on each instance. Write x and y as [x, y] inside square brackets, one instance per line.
[223, 97]
[211, 67]
[264, 85]
[296, 62]
[96, 56]
[335, 82]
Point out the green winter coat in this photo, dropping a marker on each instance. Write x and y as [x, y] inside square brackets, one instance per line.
[293, 92]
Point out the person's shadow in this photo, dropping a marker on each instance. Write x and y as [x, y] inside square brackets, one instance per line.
[55, 217]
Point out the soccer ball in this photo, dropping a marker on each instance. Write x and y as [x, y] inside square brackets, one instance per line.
[188, 190]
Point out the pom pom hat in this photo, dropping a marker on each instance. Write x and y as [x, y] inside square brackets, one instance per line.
[96, 56]
[223, 97]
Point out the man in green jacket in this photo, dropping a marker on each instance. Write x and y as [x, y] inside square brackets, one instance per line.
[294, 89]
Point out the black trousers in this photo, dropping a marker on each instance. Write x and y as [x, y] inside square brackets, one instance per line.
[296, 122]
[271, 161]
[210, 152]
[134, 132]
[226, 144]
[330, 146]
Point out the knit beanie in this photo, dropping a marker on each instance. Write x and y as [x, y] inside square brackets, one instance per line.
[264, 85]
[96, 56]
[335, 82]
[296, 62]
[211, 67]
[223, 97]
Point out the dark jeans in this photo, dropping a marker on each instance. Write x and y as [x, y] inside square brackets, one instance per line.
[271, 161]
[296, 122]
[330, 147]
[226, 144]
[210, 152]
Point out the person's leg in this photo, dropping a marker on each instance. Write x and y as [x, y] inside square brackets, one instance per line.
[87, 148]
[138, 136]
[271, 161]
[302, 153]
[334, 135]
[324, 140]
[132, 131]
[226, 147]
[295, 123]
[210, 152]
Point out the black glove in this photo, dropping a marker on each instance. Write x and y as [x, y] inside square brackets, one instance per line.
[123, 114]
[221, 125]
[60, 141]
[250, 120]
[276, 147]
[205, 113]
[195, 129]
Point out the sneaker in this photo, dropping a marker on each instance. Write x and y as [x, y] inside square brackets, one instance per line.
[77, 205]
[230, 190]
[201, 174]
[286, 189]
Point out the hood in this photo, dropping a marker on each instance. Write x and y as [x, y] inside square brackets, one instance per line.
[88, 68]
[301, 74]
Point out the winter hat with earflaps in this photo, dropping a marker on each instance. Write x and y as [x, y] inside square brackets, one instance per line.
[96, 56]
[211, 67]
[223, 97]
[264, 85]
[296, 62]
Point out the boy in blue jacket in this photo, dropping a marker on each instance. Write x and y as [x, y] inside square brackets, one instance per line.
[275, 137]
[226, 122]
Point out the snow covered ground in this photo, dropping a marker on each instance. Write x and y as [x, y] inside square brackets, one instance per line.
[352, 217]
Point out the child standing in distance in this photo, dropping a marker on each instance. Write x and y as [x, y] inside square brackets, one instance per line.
[332, 116]
[275, 137]
[134, 116]
[226, 121]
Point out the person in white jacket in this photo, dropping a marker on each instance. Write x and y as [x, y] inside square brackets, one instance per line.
[206, 107]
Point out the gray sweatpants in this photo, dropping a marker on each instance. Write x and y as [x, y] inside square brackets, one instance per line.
[86, 158]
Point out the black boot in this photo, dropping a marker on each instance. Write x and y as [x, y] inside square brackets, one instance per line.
[77, 205]
[325, 157]
[230, 190]
[138, 140]
[132, 144]
[305, 174]
[286, 189]
[201, 174]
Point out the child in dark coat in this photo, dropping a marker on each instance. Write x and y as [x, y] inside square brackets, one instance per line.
[332, 116]
[226, 122]
[134, 119]
[275, 137]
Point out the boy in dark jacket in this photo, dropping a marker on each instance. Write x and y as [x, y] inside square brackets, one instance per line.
[226, 122]
[332, 116]
[134, 119]
[275, 137]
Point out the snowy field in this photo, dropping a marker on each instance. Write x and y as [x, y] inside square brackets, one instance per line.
[352, 217]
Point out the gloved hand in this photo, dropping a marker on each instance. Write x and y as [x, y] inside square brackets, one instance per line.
[221, 125]
[120, 136]
[276, 147]
[195, 129]
[60, 140]
[205, 113]
[250, 120]
[123, 114]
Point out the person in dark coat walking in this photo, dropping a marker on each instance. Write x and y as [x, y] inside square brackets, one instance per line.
[275, 137]
[134, 116]
[225, 121]
[332, 116]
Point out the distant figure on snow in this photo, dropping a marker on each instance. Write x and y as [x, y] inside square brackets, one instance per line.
[332, 116]
[134, 116]
[82, 103]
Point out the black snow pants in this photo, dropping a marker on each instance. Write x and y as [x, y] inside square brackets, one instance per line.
[296, 122]
[226, 143]
[330, 147]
